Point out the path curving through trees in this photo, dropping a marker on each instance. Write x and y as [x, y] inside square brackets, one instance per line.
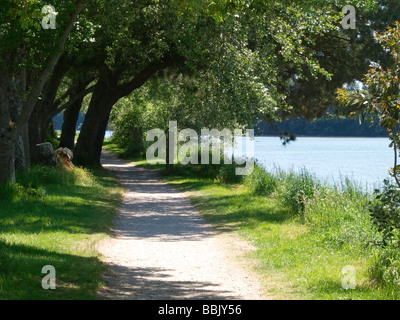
[161, 248]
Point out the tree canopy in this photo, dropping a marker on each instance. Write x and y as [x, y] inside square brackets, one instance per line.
[220, 62]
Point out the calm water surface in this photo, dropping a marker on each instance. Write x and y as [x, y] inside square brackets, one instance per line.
[364, 160]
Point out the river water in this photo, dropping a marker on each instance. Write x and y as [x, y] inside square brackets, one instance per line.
[364, 160]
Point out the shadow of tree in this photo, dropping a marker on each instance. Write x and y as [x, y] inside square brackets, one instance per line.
[73, 210]
[155, 211]
[21, 274]
[155, 284]
[229, 212]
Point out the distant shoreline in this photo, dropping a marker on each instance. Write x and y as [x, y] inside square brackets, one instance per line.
[305, 136]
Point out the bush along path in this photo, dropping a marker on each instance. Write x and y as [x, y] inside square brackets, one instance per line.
[163, 249]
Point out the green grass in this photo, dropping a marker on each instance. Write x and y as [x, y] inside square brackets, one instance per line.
[55, 217]
[294, 261]
[305, 233]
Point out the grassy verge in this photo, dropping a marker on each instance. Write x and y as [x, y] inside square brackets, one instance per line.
[312, 240]
[293, 259]
[55, 217]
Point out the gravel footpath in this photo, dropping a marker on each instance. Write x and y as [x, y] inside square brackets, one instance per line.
[162, 248]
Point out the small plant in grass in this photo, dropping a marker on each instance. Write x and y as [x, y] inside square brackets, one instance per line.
[14, 191]
[296, 189]
[227, 174]
[385, 268]
[261, 182]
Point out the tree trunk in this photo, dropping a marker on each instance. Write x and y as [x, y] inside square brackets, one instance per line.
[7, 160]
[17, 88]
[20, 159]
[38, 128]
[90, 141]
[11, 129]
[137, 139]
[68, 132]
[7, 138]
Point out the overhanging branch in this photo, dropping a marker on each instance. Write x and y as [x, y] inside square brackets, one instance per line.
[44, 75]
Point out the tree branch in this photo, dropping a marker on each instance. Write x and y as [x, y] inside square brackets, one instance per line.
[72, 100]
[71, 90]
[140, 78]
[45, 74]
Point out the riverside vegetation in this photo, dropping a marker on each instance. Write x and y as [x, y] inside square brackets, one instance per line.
[306, 232]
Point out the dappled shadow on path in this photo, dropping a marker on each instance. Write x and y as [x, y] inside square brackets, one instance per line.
[156, 284]
[162, 248]
[152, 209]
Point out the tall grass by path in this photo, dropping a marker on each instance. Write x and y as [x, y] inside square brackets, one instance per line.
[307, 233]
[55, 217]
[294, 261]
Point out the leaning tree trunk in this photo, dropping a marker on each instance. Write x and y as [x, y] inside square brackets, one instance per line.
[105, 95]
[70, 118]
[68, 131]
[40, 117]
[90, 141]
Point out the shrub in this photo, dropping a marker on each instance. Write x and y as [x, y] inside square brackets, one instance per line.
[385, 268]
[261, 182]
[227, 174]
[10, 191]
[385, 211]
[41, 175]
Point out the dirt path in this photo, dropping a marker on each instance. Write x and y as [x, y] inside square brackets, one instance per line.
[163, 249]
